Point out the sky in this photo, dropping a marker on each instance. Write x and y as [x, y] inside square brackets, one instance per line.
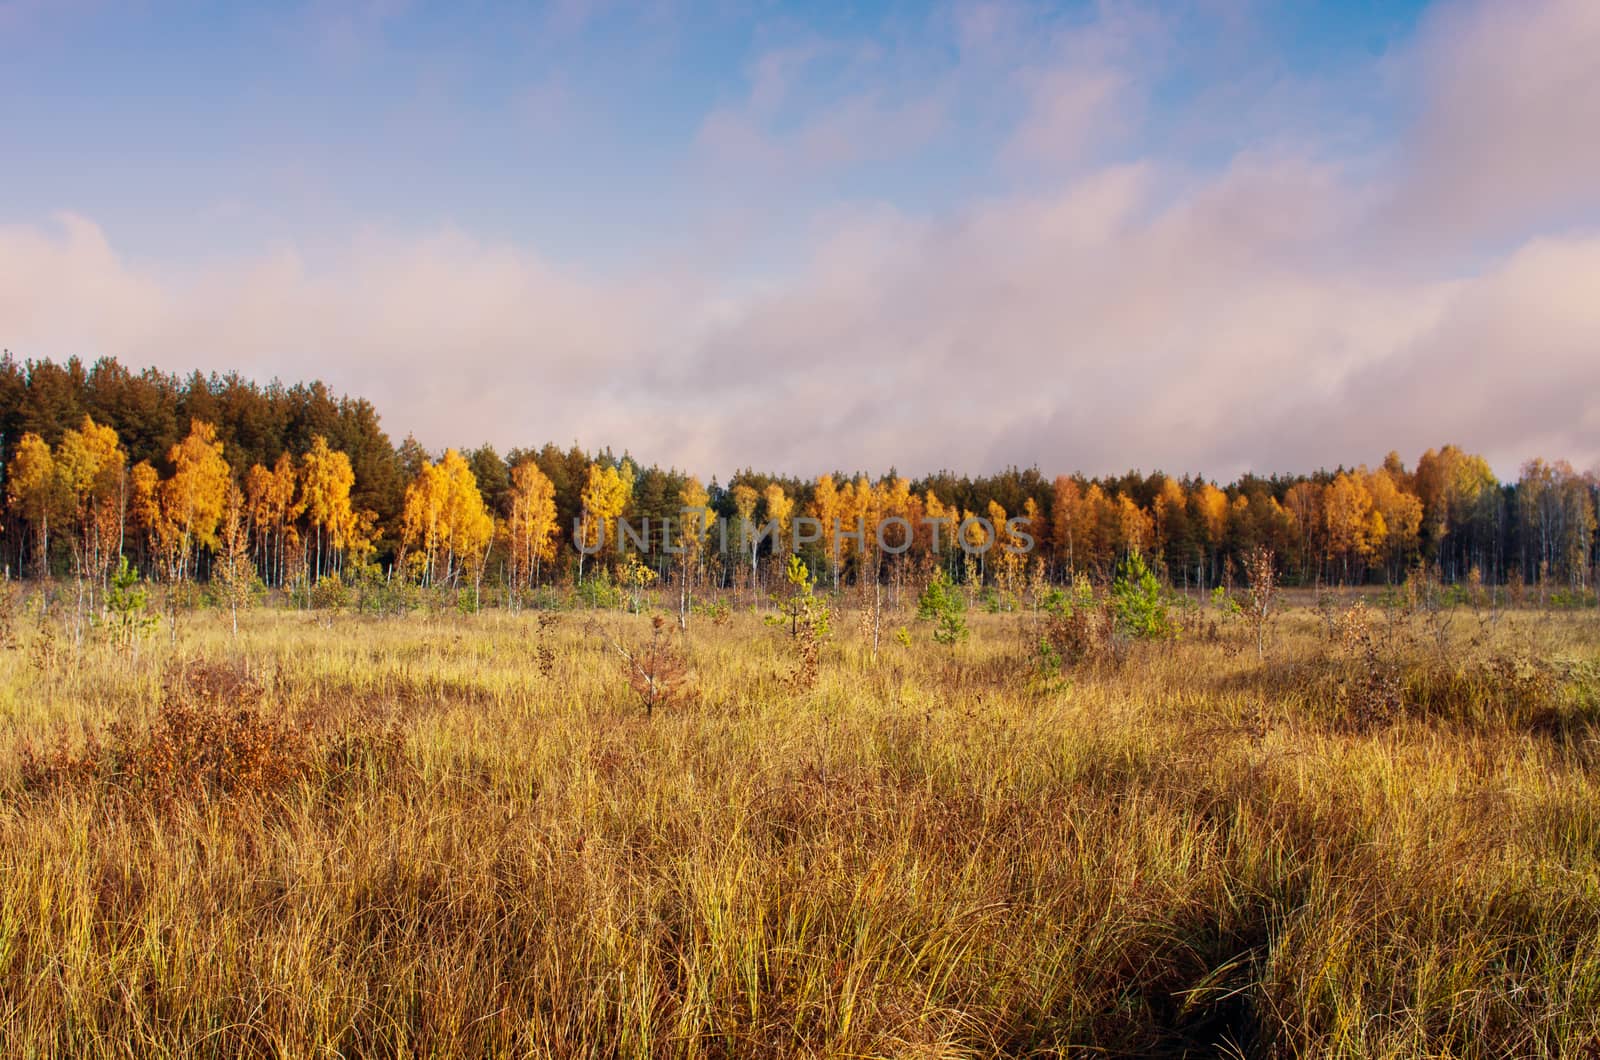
[1204, 236]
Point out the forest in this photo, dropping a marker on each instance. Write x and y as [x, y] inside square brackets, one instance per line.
[1292, 766]
[201, 477]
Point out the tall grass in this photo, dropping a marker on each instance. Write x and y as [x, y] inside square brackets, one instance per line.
[461, 836]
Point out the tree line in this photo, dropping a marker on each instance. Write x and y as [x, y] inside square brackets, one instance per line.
[189, 476]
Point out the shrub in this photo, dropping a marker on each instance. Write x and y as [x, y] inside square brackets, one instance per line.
[599, 592]
[938, 596]
[330, 594]
[1263, 575]
[1076, 597]
[1224, 602]
[128, 606]
[1077, 628]
[1138, 603]
[997, 602]
[394, 596]
[210, 739]
[214, 738]
[8, 615]
[943, 604]
[809, 621]
[1565, 600]
[718, 612]
[636, 578]
[950, 628]
[657, 672]
[1369, 686]
[803, 609]
[1497, 690]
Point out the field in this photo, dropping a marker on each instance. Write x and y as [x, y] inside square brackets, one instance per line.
[462, 835]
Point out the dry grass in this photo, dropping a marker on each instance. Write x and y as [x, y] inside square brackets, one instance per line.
[461, 836]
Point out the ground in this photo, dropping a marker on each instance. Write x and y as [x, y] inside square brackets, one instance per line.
[462, 835]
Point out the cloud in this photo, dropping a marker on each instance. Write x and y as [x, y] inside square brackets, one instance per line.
[1099, 326]
[1505, 134]
[814, 106]
[451, 337]
[855, 130]
[1085, 83]
[1070, 109]
[1092, 327]
[66, 289]
[1507, 364]
[1291, 308]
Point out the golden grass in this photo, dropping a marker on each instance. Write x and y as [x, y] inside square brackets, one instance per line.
[468, 840]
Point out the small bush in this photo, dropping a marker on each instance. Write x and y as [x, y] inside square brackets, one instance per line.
[938, 596]
[657, 672]
[330, 594]
[718, 612]
[1368, 685]
[213, 738]
[1501, 690]
[1138, 602]
[1566, 600]
[129, 616]
[809, 620]
[210, 738]
[599, 592]
[395, 596]
[1077, 627]
[943, 604]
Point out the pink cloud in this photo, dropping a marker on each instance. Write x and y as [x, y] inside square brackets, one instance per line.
[1288, 311]
[1507, 132]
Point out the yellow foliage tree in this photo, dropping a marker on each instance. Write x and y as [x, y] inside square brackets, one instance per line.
[694, 504]
[1304, 505]
[33, 489]
[145, 514]
[325, 481]
[92, 466]
[192, 499]
[780, 515]
[1071, 526]
[531, 527]
[1006, 557]
[1211, 514]
[273, 511]
[1168, 517]
[895, 500]
[446, 531]
[1135, 529]
[1401, 514]
[605, 497]
[975, 543]
[1354, 529]
[234, 572]
[828, 509]
[1102, 525]
[745, 499]
[935, 520]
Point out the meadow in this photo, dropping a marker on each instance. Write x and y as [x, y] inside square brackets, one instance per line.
[445, 834]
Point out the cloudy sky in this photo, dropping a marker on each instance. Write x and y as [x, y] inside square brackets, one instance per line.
[1212, 235]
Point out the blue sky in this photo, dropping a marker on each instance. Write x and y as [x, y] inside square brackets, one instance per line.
[634, 209]
[195, 128]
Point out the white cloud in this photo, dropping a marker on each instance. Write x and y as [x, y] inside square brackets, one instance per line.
[1507, 133]
[1070, 110]
[1279, 314]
